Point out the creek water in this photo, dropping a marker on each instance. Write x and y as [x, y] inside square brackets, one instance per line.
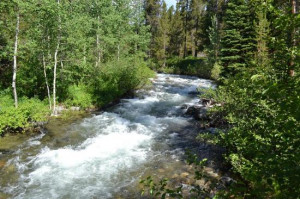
[104, 155]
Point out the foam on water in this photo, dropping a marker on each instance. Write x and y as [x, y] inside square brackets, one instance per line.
[121, 142]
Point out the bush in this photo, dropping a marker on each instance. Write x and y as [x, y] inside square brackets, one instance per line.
[79, 95]
[117, 78]
[263, 143]
[28, 111]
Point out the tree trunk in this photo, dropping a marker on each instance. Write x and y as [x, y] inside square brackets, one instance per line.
[98, 60]
[294, 42]
[46, 80]
[15, 61]
[55, 63]
[164, 64]
[185, 31]
[193, 42]
[54, 78]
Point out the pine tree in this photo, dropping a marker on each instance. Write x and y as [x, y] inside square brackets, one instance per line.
[152, 8]
[162, 40]
[176, 33]
[237, 40]
[197, 25]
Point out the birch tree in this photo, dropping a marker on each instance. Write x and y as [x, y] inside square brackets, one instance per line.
[56, 59]
[15, 59]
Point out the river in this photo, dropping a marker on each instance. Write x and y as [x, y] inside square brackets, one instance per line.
[105, 154]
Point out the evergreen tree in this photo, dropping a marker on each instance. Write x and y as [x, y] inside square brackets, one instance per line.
[197, 25]
[162, 40]
[237, 38]
[176, 33]
[152, 9]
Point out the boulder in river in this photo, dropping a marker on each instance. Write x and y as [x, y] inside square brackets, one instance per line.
[184, 106]
[198, 112]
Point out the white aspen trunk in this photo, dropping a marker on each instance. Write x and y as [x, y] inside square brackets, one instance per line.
[15, 61]
[46, 80]
[54, 78]
[55, 63]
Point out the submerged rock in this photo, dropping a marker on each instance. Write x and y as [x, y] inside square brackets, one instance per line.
[5, 151]
[194, 93]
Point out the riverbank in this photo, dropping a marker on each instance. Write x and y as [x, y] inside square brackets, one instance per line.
[106, 153]
[33, 113]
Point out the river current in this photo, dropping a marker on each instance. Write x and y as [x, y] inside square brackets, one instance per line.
[105, 155]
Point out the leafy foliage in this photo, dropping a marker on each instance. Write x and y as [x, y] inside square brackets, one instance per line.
[263, 140]
[78, 95]
[29, 111]
[86, 52]
[118, 78]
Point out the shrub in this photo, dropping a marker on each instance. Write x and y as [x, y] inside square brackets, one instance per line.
[79, 95]
[28, 111]
[263, 143]
[117, 78]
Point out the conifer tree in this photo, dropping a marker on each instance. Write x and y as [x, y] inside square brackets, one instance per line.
[176, 33]
[152, 8]
[197, 25]
[237, 40]
[162, 40]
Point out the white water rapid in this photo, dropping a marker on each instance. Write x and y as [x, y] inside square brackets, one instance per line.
[102, 155]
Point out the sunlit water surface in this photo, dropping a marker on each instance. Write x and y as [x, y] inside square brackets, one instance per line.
[106, 154]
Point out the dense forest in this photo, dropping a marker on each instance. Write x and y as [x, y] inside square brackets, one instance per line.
[89, 53]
